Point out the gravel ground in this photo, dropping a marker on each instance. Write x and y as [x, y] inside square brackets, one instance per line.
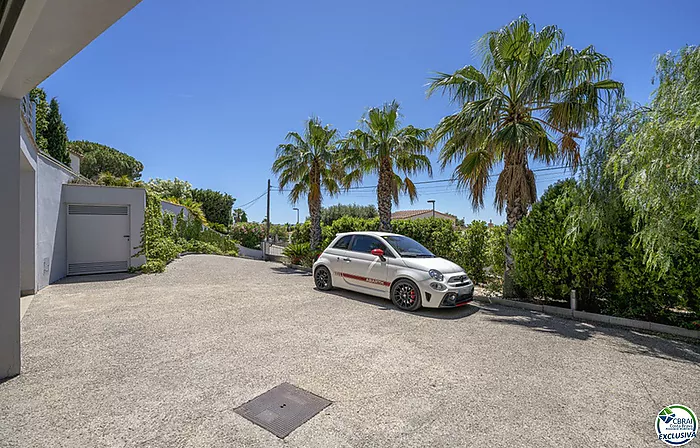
[163, 360]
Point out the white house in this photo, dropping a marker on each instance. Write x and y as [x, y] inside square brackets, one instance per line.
[36, 38]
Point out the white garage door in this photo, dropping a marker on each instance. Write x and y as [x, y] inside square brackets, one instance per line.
[98, 238]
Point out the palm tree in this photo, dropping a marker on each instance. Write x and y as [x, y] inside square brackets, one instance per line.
[531, 99]
[381, 146]
[310, 162]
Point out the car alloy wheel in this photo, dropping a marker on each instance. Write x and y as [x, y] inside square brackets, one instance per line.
[322, 278]
[405, 295]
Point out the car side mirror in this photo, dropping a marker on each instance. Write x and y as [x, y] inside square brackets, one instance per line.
[378, 253]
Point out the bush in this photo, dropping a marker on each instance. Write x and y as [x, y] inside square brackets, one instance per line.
[164, 237]
[200, 247]
[469, 250]
[215, 205]
[496, 250]
[300, 254]
[99, 159]
[153, 267]
[604, 264]
[250, 234]
[218, 227]
[435, 234]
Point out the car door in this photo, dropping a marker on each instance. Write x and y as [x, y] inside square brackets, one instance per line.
[364, 271]
[339, 255]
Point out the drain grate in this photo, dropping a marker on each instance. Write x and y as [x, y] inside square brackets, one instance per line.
[282, 409]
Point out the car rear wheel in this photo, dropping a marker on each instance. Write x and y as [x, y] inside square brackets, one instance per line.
[405, 295]
[322, 278]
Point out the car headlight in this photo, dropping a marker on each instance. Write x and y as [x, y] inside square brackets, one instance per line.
[437, 275]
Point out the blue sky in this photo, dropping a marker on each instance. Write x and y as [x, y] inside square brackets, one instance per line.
[205, 91]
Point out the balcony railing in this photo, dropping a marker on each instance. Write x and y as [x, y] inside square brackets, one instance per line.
[28, 110]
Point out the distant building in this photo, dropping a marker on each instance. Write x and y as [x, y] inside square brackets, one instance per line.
[419, 214]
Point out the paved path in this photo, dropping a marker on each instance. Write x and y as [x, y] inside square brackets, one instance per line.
[162, 361]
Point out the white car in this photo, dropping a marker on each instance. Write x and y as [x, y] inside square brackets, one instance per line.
[393, 267]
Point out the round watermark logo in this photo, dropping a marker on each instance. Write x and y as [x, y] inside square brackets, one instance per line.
[676, 425]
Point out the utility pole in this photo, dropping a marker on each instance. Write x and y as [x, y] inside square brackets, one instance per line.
[267, 226]
[433, 202]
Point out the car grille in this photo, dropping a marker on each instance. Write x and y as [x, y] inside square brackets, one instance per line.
[459, 281]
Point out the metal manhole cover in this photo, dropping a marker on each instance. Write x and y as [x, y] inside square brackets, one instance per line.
[282, 409]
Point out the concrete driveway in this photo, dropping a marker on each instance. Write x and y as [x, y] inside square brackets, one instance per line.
[163, 360]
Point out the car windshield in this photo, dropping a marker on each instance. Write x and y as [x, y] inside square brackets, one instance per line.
[406, 247]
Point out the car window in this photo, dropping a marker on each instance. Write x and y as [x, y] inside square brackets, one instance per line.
[365, 243]
[406, 247]
[343, 243]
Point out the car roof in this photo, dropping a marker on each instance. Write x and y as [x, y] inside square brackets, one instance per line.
[377, 234]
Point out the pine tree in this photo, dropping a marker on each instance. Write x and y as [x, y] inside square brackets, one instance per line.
[38, 96]
[57, 135]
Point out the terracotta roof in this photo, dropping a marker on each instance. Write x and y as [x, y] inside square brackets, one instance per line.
[407, 214]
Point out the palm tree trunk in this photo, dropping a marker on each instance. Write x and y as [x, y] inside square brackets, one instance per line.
[384, 195]
[515, 211]
[315, 214]
[315, 208]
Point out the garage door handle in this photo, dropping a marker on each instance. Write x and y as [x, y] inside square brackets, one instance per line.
[127, 236]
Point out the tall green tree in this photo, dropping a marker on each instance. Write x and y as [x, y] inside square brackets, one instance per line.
[215, 205]
[310, 163]
[658, 166]
[98, 159]
[38, 96]
[239, 215]
[334, 212]
[531, 99]
[57, 134]
[381, 146]
[178, 189]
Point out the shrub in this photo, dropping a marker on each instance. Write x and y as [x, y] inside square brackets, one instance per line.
[163, 237]
[99, 159]
[496, 250]
[218, 227]
[469, 250]
[299, 254]
[153, 267]
[250, 234]
[215, 205]
[200, 247]
[604, 264]
[435, 234]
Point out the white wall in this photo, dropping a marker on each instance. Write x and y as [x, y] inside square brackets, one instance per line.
[9, 237]
[51, 221]
[27, 229]
[135, 198]
[75, 163]
[174, 209]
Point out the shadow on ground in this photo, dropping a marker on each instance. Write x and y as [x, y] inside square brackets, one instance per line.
[91, 278]
[386, 305]
[290, 271]
[635, 342]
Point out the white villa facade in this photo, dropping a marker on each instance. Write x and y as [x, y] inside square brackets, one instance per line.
[38, 228]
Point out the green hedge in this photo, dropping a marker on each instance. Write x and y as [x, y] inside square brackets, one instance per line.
[164, 236]
[605, 264]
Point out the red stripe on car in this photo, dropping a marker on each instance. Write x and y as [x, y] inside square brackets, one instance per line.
[374, 281]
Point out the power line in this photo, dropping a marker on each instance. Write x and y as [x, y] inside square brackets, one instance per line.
[249, 203]
[437, 181]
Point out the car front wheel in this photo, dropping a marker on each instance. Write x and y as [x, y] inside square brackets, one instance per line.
[406, 295]
[322, 278]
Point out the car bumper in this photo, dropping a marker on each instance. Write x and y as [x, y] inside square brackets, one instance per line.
[449, 297]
